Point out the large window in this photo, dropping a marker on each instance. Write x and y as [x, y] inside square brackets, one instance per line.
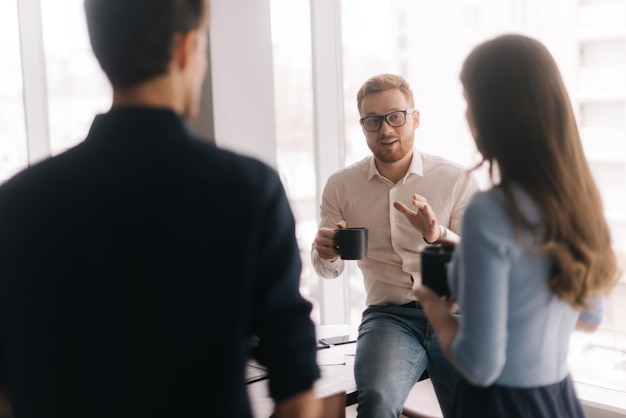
[77, 88]
[52, 84]
[293, 96]
[13, 153]
[426, 41]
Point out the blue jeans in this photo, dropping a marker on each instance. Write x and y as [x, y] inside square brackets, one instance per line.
[395, 345]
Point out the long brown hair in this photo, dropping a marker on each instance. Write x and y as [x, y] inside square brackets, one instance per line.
[526, 129]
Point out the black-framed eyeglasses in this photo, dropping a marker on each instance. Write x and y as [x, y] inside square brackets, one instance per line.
[394, 119]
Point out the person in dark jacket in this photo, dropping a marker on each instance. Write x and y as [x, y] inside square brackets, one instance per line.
[138, 265]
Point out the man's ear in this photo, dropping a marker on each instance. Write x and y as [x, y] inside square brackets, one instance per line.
[184, 46]
[416, 118]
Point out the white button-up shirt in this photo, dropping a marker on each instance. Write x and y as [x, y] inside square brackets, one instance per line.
[362, 197]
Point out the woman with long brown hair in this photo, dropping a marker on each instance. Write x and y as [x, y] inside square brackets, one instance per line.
[535, 258]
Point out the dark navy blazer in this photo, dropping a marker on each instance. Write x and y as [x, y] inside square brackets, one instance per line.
[135, 267]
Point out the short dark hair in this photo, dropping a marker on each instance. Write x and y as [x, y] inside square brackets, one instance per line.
[132, 39]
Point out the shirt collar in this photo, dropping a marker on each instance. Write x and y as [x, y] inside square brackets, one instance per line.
[138, 123]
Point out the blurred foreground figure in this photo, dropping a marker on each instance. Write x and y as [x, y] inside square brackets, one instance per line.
[137, 266]
[535, 258]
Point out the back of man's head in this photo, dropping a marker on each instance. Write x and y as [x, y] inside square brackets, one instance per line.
[132, 39]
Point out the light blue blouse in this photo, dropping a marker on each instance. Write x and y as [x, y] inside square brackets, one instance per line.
[513, 330]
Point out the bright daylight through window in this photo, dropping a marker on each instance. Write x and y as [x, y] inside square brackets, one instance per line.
[12, 125]
[426, 41]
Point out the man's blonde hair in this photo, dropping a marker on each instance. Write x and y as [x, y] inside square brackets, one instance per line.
[384, 82]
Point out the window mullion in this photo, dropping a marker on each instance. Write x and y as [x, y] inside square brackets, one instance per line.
[329, 132]
[34, 76]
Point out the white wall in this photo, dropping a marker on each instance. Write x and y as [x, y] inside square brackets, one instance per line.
[242, 77]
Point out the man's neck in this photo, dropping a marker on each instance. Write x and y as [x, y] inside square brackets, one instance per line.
[395, 171]
[157, 92]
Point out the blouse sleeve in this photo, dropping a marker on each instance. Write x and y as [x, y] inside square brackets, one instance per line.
[480, 277]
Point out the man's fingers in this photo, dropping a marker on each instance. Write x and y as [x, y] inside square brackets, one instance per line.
[401, 207]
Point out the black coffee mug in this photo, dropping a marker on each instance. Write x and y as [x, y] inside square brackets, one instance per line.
[352, 243]
[435, 261]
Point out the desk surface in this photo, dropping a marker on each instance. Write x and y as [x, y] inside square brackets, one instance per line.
[334, 378]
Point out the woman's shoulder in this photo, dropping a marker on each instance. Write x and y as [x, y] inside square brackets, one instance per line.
[496, 201]
[490, 200]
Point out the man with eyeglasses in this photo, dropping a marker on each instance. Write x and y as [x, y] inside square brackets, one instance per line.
[395, 343]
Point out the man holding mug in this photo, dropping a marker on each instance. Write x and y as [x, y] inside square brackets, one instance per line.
[395, 343]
